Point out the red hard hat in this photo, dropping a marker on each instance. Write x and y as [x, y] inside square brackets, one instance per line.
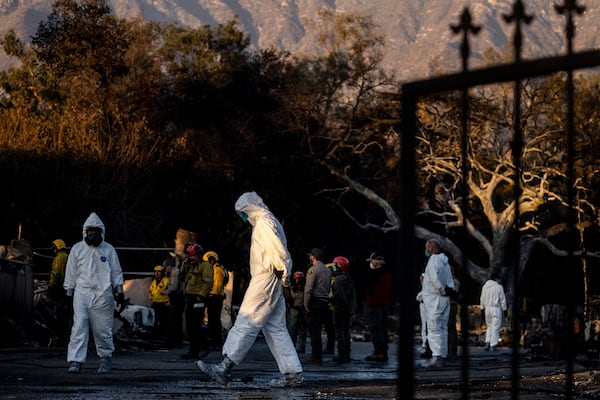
[342, 263]
[298, 275]
[194, 249]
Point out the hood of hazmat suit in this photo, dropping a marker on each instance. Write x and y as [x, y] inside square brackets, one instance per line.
[93, 221]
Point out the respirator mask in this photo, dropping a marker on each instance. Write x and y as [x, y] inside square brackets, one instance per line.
[93, 237]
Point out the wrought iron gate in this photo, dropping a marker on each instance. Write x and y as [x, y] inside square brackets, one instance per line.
[411, 93]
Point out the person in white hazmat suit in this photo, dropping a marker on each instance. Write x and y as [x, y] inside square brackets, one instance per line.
[263, 307]
[437, 282]
[93, 274]
[493, 303]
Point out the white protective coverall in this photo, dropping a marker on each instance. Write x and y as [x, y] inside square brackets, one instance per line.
[493, 302]
[263, 306]
[436, 278]
[92, 273]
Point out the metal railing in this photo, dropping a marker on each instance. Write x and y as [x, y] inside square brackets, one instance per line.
[515, 72]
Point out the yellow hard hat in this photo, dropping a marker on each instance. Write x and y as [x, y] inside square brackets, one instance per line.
[159, 268]
[59, 244]
[209, 254]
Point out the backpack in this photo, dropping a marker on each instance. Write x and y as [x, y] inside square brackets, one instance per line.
[226, 276]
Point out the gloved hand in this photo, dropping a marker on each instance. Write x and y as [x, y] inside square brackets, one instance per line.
[451, 293]
[70, 292]
[287, 294]
[120, 297]
[278, 273]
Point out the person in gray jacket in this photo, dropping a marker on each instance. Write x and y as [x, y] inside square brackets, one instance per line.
[316, 301]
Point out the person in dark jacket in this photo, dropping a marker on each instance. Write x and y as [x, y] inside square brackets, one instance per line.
[344, 305]
[379, 296]
[296, 323]
[198, 277]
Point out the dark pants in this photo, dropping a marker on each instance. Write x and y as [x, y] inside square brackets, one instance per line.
[64, 314]
[329, 329]
[161, 313]
[296, 325]
[214, 305]
[378, 328]
[175, 320]
[315, 318]
[452, 334]
[194, 321]
[341, 319]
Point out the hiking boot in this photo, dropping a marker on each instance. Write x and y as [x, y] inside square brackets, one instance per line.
[74, 367]
[287, 380]
[377, 357]
[105, 365]
[219, 373]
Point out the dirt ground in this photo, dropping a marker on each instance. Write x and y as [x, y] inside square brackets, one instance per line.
[160, 374]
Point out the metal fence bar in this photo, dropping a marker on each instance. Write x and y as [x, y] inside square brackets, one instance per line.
[411, 92]
[406, 251]
[501, 73]
[465, 27]
[518, 17]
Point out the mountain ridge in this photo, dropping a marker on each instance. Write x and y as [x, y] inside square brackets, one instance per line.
[419, 41]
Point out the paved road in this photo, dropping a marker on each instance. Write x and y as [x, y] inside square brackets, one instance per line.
[40, 374]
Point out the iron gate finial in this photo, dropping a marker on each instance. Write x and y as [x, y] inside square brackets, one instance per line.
[518, 16]
[465, 26]
[570, 7]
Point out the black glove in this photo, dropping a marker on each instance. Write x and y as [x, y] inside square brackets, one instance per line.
[278, 273]
[287, 294]
[451, 293]
[120, 297]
